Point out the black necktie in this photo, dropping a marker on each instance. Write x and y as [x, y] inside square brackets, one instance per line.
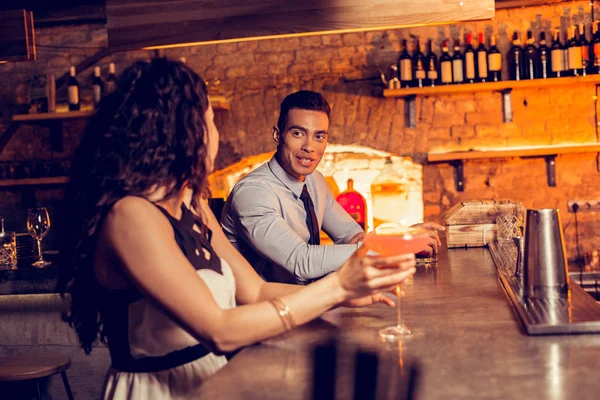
[311, 217]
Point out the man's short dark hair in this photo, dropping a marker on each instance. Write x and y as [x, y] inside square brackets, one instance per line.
[303, 100]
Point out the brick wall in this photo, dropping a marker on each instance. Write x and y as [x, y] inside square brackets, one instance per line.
[256, 75]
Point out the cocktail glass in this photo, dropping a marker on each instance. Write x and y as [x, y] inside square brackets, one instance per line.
[391, 239]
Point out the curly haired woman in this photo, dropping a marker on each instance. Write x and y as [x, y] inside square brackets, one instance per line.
[150, 271]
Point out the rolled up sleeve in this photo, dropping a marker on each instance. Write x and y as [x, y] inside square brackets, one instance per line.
[262, 226]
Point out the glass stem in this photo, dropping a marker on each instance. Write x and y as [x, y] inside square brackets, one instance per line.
[399, 304]
[39, 243]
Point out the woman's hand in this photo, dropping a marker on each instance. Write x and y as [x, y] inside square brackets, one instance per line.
[363, 278]
[434, 238]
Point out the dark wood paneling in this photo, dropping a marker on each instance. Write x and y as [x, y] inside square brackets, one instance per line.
[145, 23]
[16, 36]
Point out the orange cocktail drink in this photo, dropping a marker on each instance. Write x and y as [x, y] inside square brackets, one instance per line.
[392, 239]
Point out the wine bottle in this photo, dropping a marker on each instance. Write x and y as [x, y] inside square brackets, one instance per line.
[574, 53]
[111, 81]
[97, 87]
[405, 67]
[557, 55]
[431, 63]
[544, 57]
[446, 65]
[482, 60]
[458, 64]
[530, 56]
[354, 204]
[73, 90]
[516, 70]
[494, 61]
[585, 50]
[596, 48]
[419, 66]
[470, 65]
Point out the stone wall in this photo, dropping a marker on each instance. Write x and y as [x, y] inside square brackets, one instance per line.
[256, 75]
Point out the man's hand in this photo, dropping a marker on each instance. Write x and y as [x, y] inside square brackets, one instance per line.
[368, 300]
[434, 238]
[359, 237]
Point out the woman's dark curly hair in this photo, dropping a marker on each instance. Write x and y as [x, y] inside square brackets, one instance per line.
[149, 133]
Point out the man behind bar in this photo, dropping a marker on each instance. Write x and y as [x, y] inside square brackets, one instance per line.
[274, 214]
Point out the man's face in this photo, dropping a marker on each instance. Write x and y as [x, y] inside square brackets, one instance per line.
[301, 145]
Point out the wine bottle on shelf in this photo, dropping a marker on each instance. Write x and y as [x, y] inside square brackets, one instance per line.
[516, 70]
[405, 67]
[470, 64]
[544, 57]
[73, 90]
[585, 51]
[354, 204]
[574, 53]
[494, 61]
[458, 64]
[111, 81]
[557, 56]
[431, 63]
[530, 56]
[446, 65]
[419, 66]
[481, 55]
[97, 87]
[596, 48]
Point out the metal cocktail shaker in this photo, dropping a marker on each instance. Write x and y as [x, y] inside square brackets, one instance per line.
[545, 267]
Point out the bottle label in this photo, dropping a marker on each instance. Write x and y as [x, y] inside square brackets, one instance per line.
[405, 70]
[557, 60]
[447, 72]
[575, 57]
[73, 95]
[96, 93]
[482, 68]
[585, 55]
[457, 70]
[420, 74]
[470, 65]
[544, 64]
[495, 61]
[433, 75]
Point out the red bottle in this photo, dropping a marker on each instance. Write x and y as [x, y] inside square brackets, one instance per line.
[354, 204]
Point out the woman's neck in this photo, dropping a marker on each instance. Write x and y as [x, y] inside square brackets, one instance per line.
[172, 205]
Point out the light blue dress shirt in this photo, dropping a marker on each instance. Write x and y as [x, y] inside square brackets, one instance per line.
[265, 219]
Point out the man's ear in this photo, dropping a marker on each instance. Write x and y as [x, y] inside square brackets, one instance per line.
[276, 135]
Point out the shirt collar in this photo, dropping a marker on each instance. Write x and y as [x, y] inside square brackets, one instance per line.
[291, 183]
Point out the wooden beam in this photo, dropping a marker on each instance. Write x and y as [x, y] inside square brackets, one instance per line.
[134, 24]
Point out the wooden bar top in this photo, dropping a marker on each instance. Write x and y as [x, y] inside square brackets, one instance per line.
[469, 344]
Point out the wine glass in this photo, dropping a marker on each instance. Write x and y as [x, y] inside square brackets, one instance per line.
[391, 239]
[38, 224]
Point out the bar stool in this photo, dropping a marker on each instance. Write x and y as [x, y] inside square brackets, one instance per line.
[35, 366]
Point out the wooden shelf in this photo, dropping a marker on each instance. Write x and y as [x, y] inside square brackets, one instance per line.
[217, 102]
[522, 151]
[54, 180]
[491, 86]
[51, 116]
[220, 103]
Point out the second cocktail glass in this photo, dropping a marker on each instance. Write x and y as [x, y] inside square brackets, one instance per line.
[390, 239]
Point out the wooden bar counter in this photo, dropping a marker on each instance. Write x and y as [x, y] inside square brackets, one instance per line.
[469, 344]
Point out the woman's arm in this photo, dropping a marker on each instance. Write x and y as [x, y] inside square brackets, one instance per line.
[141, 239]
